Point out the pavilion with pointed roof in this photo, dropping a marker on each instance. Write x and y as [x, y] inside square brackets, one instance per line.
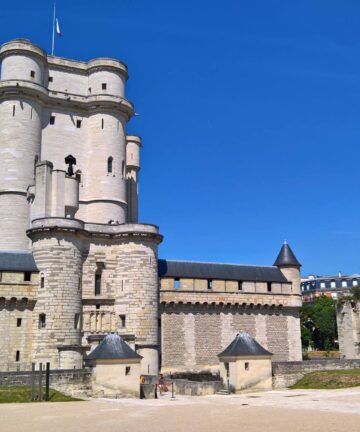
[245, 365]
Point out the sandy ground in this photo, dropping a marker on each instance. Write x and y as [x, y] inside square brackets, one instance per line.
[280, 411]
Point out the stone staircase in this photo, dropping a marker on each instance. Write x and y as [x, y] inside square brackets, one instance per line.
[223, 392]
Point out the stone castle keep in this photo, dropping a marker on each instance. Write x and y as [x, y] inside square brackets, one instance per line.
[75, 263]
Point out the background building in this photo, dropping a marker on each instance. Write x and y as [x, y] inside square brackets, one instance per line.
[332, 286]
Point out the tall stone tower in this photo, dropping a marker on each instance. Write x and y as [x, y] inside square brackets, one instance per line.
[82, 220]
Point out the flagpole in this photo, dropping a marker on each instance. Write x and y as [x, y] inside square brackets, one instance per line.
[53, 33]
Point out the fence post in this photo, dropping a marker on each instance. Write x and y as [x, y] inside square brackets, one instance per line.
[32, 382]
[40, 382]
[47, 382]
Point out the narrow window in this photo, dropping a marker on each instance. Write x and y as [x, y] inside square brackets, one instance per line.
[176, 283]
[123, 169]
[52, 120]
[78, 124]
[17, 356]
[102, 123]
[98, 282]
[32, 74]
[14, 110]
[18, 322]
[268, 286]
[227, 369]
[123, 320]
[247, 365]
[76, 320]
[209, 284]
[50, 79]
[127, 370]
[31, 114]
[42, 321]
[240, 287]
[36, 160]
[27, 276]
[0, 276]
[103, 86]
[97, 307]
[89, 90]
[42, 281]
[110, 165]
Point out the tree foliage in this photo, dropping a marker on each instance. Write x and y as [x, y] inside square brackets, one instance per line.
[318, 324]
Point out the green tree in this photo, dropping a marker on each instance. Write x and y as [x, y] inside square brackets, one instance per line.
[318, 324]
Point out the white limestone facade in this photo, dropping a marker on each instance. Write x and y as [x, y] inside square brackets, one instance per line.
[80, 226]
[75, 263]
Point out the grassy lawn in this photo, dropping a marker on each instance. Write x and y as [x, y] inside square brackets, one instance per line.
[329, 379]
[23, 394]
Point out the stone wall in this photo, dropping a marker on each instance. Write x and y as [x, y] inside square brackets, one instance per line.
[73, 382]
[194, 388]
[193, 335]
[286, 374]
[17, 301]
[348, 323]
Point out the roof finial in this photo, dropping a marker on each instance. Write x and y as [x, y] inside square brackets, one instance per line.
[285, 242]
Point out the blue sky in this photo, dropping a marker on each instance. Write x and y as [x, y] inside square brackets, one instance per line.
[249, 114]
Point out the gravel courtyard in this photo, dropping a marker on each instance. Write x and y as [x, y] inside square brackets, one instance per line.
[278, 411]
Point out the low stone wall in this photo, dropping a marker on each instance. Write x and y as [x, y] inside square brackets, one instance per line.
[286, 374]
[73, 382]
[195, 388]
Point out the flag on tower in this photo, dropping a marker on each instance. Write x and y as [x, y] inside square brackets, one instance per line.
[58, 31]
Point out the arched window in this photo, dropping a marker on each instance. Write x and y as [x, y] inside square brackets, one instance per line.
[110, 164]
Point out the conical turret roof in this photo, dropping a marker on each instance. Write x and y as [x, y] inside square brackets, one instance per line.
[286, 257]
[244, 345]
[113, 347]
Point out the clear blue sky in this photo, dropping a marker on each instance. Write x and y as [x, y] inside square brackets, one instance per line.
[250, 118]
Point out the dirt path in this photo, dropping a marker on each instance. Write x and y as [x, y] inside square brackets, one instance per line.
[277, 411]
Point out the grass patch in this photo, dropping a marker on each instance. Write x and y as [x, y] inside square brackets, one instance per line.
[333, 379]
[19, 394]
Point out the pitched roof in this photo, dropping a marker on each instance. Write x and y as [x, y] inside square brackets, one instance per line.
[244, 345]
[202, 270]
[17, 261]
[113, 347]
[286, 257]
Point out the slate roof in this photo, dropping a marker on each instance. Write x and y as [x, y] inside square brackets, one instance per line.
[113, 347]
[17, 261]
[244, 345]
[286, 257]
[201, 270]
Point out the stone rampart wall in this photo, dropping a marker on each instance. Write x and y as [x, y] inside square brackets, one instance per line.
[193, 335]
[286, 374]
[69, 381]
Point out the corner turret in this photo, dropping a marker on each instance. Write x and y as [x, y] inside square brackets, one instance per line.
[289, 265]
